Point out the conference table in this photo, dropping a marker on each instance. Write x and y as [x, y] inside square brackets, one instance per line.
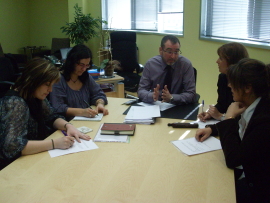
[147, 169]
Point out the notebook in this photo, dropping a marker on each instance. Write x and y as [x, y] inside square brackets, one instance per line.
[118, 129]
[81, 118]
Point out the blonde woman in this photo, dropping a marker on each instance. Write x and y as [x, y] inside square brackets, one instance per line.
[26, 116]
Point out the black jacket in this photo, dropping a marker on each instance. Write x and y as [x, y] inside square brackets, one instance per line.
[253, 152]
[225, 97]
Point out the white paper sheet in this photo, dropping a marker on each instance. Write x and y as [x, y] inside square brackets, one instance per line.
[162, 105]
[145, 112]
[191, 146]
[96, 118]
[208, 122]
[110, 138]
[76, 147]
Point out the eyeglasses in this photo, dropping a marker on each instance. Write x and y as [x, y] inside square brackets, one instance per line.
[172, 52]
[82, 65]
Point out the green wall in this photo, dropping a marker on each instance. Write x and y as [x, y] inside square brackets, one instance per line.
[31, 23]
[46, 18]
[201, 53]
[14, 25]
[36, 22]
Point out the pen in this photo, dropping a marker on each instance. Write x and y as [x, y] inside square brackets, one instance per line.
[87, 104]
[64, 132]
[202, 105]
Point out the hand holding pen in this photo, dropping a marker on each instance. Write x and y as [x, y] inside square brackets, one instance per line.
[203, 116]
[89, 112]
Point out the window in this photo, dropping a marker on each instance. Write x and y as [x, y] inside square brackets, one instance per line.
[159, 16]
[244, 21]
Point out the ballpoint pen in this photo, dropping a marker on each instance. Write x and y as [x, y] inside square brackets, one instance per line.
[87, 104]
[64, 132]
[202, 105]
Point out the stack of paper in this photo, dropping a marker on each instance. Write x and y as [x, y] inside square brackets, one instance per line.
[162, 105]
[142, 114]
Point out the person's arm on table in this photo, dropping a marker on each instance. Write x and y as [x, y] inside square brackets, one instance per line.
[98, 97]
[61, 124]
[100, 104]
[87, 112]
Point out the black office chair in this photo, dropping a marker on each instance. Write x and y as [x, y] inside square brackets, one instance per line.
[195, 75]
[57, 44]
[7, 75]
[124, 49]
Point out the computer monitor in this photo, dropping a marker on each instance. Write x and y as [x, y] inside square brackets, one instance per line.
[64, 52]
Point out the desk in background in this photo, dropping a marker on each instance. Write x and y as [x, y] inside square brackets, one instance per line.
[148, 169]
[118, 87]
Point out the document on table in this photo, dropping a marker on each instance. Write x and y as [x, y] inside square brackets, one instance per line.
[191, 146]
[96, 118]
[76, 147]
[208, 122]
[110, 138]
[142, 114]
[162, 105]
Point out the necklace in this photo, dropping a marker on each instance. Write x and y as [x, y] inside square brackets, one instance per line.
[74, 81]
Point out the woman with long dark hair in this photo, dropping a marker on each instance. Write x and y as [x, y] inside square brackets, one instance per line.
[77, 89]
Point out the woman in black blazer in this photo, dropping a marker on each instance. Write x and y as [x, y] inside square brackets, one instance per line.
[229, 54]
[245, 132]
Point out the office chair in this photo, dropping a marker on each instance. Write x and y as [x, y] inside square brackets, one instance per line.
[124, 50]
[195, 75]
[7, 75]
[57, 44]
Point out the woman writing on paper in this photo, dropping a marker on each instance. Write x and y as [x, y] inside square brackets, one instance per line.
[246, 142]
[26, 117]
[77, 89]
[229, 54]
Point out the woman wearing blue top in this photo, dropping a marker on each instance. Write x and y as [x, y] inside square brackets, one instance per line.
[77, 89]
[26, 117]
[245, 132]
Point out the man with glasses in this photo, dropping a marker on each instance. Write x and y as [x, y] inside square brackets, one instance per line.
[168, 77]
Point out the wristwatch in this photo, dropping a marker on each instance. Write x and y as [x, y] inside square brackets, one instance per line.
[171, 100]
[222, 117]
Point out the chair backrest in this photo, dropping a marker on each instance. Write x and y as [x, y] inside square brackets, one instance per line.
[124, 49]
[4, 87]
[1, 51]
[195, 75]
[7, 72]
[58, 43]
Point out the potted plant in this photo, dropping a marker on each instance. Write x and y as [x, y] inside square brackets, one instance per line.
[109, 66]
[83, 28]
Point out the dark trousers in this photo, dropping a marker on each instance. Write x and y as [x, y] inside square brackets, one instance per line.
[243, 194]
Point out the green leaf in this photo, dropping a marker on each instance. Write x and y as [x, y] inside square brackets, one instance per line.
[83, 28]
